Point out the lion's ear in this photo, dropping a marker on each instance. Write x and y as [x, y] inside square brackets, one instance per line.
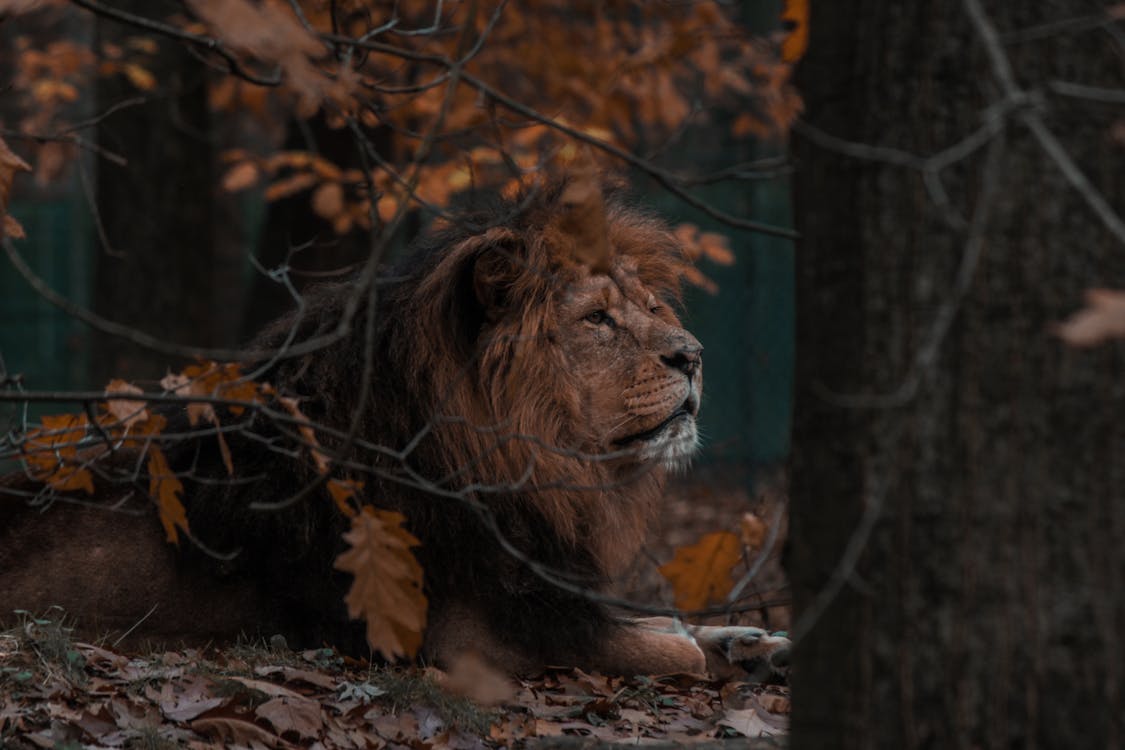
[491, 265]
[494, 274]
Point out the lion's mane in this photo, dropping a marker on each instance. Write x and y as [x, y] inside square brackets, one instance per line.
[470, 426]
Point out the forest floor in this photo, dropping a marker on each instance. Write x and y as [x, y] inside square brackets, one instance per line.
[56, 692]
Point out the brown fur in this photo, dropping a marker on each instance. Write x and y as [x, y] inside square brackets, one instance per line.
[501, 417]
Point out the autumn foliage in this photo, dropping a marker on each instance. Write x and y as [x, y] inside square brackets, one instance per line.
[441, 99]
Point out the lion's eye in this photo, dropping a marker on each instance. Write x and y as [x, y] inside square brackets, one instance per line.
[599, 317]
[655, 309]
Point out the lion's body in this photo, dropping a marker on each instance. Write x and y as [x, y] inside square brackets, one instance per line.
[503, 416]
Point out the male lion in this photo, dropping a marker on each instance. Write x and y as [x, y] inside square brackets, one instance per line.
[531, 387]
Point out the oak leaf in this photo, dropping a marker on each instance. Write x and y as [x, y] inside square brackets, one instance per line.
[700, 573]
[51, 453]
[300, 715]
[387, 589]
[165, 489]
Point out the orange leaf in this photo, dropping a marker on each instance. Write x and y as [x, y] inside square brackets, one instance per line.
[696, 278]
[328, 200]
[9, 165]
[304, 426]
[1102, 319]
[290, 186]
[126, 413]
[51, 453]
[139, 77]
[387, 590]
[795, 20]
[715, 247]
[241, 176]
[12, 228]
[343, 490]
[165, 489]
[700, 574]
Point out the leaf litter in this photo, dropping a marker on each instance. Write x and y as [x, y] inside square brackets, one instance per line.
[274, 698]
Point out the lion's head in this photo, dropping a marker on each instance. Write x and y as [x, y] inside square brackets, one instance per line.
[530, 354]
[585, 357]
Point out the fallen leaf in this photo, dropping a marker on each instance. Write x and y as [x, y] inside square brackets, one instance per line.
[301, 716]
[238, 730]
[749, 723]
[701, 573]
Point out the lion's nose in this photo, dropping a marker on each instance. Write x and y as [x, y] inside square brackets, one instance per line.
[686, 358]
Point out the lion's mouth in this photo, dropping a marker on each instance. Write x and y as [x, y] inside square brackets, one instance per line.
[687, 409]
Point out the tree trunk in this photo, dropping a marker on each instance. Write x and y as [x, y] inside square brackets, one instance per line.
[983, 498]
[157, 264]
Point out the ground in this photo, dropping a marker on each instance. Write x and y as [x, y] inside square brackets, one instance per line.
[58, 693]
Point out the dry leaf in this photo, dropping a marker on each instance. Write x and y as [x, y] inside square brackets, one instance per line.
[753, 530]
[328, 200]
[387, 590]
[795, 20]
[51, 453]
[165, 489]
[583, 216]
[700, 574]
[469, 675]
[716, 248]
[1102, 319]
[9, 165]
[320, 459]
[299, 715]
[291, 185]
[240, 176]
[342, 491]
[139, 77]
[126, 412]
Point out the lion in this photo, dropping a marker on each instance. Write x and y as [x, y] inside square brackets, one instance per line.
[530, 390]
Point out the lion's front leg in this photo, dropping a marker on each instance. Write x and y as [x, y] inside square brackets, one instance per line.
[742, 652]
[660, 644]
[637, 647]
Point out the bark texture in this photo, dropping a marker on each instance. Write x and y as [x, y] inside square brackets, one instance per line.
[986, 609]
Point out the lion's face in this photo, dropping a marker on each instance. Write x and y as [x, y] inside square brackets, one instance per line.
[640, 374]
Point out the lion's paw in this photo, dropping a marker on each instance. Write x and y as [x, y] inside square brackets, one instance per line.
[743, 653]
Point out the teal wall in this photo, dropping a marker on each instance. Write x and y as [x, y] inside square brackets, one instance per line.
[38, 340]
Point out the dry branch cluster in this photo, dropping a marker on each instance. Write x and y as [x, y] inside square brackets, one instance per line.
[440, 99]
